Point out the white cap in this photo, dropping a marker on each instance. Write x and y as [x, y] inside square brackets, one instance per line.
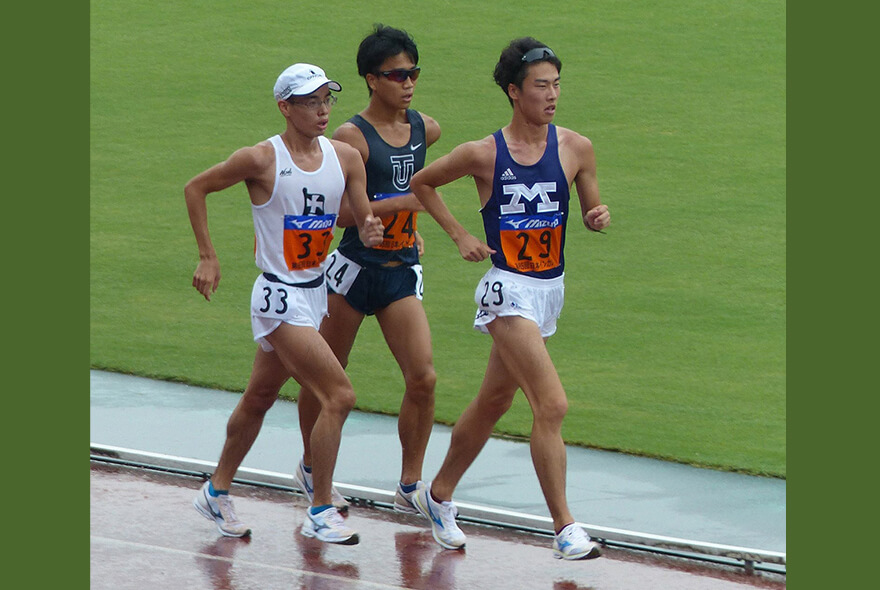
[302, 79]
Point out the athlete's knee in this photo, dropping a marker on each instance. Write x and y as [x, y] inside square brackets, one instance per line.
[494, 405]
[339, 401]
[259, 398]
[420, 385]
[551, 411]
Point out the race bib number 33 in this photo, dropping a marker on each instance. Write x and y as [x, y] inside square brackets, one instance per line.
[531, 243]
[307, 239]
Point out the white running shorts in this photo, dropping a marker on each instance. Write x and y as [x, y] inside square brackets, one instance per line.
[274, 301]
[503, 293]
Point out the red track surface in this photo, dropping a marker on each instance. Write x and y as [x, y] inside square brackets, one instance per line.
[145, 533]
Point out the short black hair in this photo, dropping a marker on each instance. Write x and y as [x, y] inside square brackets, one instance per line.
[382, 43]
[511, 69]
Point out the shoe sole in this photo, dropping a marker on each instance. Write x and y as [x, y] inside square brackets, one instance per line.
[207, 514]
[594, 552]
[352, 540]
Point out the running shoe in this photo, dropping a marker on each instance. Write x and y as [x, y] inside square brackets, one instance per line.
[221, 511]
[328, 526]
[442, 516]
[403, 501]
[304, 481]
[573, 542]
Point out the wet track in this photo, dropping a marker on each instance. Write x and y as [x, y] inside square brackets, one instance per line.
[153, 442]
[146, 534]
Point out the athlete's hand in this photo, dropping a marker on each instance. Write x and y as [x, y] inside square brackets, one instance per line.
[473, 250]
[207, 277]
[598, 218]
[420, 244]
[372, 231]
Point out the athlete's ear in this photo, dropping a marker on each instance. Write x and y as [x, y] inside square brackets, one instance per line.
[372, 81]
[513, 91]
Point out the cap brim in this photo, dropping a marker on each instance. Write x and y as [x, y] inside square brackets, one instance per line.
[315, 84]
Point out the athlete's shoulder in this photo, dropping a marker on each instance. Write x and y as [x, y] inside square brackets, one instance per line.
[254, 157]
[485, 144]
[432, 128]
[346, 131]
[572, 139]
[346, 153]
[351, 134]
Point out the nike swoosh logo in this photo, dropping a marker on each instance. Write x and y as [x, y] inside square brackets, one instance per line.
[415, 147]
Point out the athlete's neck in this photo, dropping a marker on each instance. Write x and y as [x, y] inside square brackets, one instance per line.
[392, 125]
[305, 151]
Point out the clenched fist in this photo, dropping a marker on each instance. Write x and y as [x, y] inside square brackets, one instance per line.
[371, 231]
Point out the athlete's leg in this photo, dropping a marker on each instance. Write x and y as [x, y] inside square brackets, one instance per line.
[408, 335]
[309, 359]
[525, 355]
[475, 425]
[267, 377]
[339, 329]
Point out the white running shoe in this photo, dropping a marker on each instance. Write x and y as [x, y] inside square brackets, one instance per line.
[442, 516]
[221, 511]
[328, 526]
[573, 542]
[304, 482]
[403, 502]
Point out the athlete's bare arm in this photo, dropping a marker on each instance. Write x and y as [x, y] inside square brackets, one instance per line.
[254, 165]
[432, 129]
[475, 159]
[370, 228]
[577, 154]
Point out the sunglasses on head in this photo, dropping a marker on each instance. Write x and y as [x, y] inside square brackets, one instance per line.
[400, 75]
[537, 53]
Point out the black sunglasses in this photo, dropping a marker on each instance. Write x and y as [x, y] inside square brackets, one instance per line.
[537, 53]
[400, 75]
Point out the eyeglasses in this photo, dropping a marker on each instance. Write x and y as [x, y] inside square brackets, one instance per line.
[537, 53]
[314, 103]
[400, 75]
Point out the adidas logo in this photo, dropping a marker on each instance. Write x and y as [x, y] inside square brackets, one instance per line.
[508, 175]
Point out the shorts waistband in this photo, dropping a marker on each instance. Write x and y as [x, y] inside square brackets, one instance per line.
[316, 282]
[530, 281]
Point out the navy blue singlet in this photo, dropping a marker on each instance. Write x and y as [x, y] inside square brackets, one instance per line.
[389, 170]
[525, 218]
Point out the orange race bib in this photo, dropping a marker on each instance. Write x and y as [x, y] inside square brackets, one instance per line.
[531, 243]
[307, 239]
[400, 227]
[400, 231]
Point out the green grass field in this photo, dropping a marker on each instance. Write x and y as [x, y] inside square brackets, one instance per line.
[672, 342]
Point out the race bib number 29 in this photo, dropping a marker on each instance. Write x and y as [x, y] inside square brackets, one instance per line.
[531, 243]
[307, 239]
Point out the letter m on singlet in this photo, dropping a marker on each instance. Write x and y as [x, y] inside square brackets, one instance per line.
[517, 192]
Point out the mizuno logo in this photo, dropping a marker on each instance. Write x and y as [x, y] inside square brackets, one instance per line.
[529, 223]
[508, 175]
[415, 147]
[311, 223]
[434, 518]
